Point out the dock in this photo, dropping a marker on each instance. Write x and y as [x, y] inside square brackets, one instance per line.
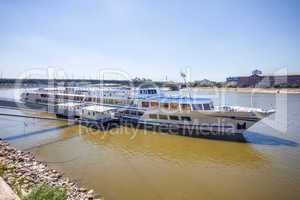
[79, 113]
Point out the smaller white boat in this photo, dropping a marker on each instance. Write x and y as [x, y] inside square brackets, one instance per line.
[68, 110]
[97, 114]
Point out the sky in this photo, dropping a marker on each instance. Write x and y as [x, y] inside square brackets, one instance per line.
[154, 39]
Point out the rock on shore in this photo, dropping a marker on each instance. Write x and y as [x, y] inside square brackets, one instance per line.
[23, 172]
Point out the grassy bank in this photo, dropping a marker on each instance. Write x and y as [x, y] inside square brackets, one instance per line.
[46, 192]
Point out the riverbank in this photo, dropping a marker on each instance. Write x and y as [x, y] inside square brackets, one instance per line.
[250, 90]
[22, 172]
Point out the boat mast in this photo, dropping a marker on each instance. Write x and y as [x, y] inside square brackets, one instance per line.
[183, 75]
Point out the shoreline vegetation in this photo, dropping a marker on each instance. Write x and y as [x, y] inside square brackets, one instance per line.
[31, 179]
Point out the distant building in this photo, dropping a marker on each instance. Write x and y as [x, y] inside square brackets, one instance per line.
[258, 80]
[256, 72]
[204, 82]
[232, 79]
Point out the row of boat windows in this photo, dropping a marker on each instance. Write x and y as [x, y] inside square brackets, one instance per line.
[170, 117]
[132, 112]
[90, 99]
[175, 106]
[145, 104]
[89, 112]
[148, 91]
[92, 113]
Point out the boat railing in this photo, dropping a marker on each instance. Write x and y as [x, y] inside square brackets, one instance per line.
[242, 109]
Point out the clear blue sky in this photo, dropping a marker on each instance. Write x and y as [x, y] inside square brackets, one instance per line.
[150, 38]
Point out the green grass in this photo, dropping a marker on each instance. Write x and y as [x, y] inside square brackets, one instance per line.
[2, 169]
[44, 192]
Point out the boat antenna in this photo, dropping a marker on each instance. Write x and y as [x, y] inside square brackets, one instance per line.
[183, 75]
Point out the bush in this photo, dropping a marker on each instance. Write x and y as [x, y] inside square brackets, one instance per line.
[44, 192]
[2, 169]
[287, 85]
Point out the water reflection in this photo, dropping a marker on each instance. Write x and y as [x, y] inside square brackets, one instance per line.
[261, 139]
[170, 148]
[32, 133]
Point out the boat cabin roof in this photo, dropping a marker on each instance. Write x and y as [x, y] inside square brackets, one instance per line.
[98, 108]
[69, 104]
[179, 99]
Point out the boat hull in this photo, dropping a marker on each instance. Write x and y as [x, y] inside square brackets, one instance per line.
[216, 125]
[182, 130]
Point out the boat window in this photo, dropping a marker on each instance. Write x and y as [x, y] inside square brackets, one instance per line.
[143, 91]
[145, 104]
[211, 106]
[152, 91]
[173, 117]
[174, 106]
[152, 116]
[164, 105]
[186, 107]
[154, 104]
[197, 107]
[93, 113]
[163, 117]
[186, 118]
[130, 102]
[206, 106]
[132, 112]
[139, 113]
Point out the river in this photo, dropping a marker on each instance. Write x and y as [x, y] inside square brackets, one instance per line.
[127, 163]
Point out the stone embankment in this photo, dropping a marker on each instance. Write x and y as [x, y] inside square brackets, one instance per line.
[22, 172]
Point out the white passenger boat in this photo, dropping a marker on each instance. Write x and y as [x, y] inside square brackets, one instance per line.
[152, 108]
[200, 114]
[97, 114]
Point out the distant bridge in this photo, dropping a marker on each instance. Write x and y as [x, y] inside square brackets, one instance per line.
[83, 82]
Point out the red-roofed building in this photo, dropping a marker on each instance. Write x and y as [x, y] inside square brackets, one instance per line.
[256, 80]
